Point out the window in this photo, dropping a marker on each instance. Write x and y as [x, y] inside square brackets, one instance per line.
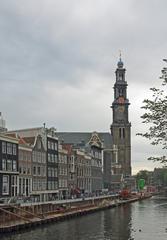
[49, 185]
[55, 146]
[14, 149]
[34, 170]
[51, 157]
[123, 132]
[9, 165]
[28, 171]
[65, 171]
[59, 157]
[3, 147]
[119, 132]
[39, 157]
[55, 172]
[48, 144]
[3, 164]
[52, 172]
[65, 159]
[52, 145]
[60, 183]
[34, 184]
[65, 183]
[48, 157]
[43, 185]
[43, 171]
[49, 172]
[14, 165]
[39, 185]
[56, 185]
[39, 171]
[56, 158]
[9, 148]
[24, 170]
[5, 185]
[53, 185]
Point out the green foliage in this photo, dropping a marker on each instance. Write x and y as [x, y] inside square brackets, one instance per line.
[156, 117]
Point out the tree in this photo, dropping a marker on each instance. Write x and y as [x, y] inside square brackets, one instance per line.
[156, 117]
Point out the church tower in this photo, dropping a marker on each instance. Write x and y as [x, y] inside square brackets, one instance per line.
[121, 127]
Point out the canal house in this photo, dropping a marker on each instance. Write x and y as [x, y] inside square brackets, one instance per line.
[63, 172]
[8, 166]
[44, 145]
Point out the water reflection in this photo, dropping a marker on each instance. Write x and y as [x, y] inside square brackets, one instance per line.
[117, 223]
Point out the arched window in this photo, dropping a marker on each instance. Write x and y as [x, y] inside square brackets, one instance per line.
[122, 133]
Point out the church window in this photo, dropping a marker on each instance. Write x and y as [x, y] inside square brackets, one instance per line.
[120, 132]
[123, 132]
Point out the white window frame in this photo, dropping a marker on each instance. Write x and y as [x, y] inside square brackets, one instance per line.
[5, 183]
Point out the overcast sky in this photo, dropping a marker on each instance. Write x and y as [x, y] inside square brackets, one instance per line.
[58, 61]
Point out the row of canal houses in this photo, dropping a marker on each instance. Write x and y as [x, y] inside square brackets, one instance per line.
[35, 163]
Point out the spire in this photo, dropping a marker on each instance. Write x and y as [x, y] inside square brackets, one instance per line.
[120, 64]
[120, 55]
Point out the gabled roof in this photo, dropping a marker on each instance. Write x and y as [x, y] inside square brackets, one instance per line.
[21, 141]
[30, 140]
[5, 137]
[33, 142]
[13, 135]
[83, 138]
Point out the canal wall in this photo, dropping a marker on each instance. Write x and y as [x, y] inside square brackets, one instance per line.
[15, 212]
[14, 218]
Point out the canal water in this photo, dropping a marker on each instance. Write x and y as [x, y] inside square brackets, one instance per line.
[144, 220]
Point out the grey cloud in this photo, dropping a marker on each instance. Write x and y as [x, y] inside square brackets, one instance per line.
[57, 61]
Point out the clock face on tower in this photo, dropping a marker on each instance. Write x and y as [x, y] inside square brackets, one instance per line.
[121, 108]
[121, 100]
[119, 113]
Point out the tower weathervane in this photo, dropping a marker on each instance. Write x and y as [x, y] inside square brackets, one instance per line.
[120, 55]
